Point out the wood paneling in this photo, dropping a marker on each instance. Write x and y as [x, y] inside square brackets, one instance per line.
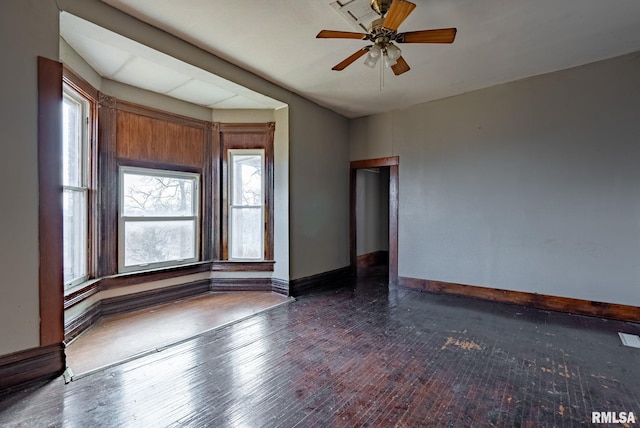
[50, 239]
[45, 362]
[321, 281]
[540, 301]
[159, 140]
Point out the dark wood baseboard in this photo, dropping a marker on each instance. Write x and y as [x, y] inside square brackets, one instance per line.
[540, 301]
[30, 365]
[240, 284]
[82, 322]
[124, 280]
[280, 286]
[325, 280]
[375, 258]
[132, 302]
[231, 266]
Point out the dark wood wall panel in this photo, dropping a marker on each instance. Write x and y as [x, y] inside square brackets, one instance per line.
[158, 140]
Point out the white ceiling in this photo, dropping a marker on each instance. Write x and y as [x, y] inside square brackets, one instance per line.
[118, 58]
[498, 41]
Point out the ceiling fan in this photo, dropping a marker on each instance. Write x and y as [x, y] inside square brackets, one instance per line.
[384, 32]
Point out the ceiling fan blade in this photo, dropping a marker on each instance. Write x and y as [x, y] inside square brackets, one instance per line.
[400, 67]
[398, 12]
[331, 34]
[443, 35]
[348, 61]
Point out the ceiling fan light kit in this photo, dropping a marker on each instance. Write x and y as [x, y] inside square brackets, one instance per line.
[383, 32]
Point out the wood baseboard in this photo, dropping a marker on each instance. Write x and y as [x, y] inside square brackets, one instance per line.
[30, 365]
[376, 258]
[280, 286]
[540, 301]
[325, 280]
[240, 284]
[132, 302]
[82, 322]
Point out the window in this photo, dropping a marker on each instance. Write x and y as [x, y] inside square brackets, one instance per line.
[246, 204]
[75, 163]
[159, 223]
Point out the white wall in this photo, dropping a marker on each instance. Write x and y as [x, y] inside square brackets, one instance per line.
[29, 28]
[529, 186]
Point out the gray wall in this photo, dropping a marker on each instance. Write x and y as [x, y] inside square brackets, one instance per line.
[319, 189]
[372, 210]
[28, 29]
[531, 186]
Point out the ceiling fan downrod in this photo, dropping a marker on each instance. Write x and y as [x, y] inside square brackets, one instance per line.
[381, 6]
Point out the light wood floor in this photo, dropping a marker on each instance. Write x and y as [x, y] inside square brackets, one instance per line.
[121, 337]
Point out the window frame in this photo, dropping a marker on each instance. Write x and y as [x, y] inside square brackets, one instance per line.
[231, 206]
[248, 136]
[76, 89]
[122, 220]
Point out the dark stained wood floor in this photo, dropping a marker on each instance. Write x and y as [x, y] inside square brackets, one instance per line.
[361, 355]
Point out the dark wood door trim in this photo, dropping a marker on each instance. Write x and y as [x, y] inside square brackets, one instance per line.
[393, 164]
[51, 285]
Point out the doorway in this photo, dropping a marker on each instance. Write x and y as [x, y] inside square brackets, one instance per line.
[366, 220]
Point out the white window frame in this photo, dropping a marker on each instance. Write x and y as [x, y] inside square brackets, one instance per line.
[230, 179]
[122, 220]
[70, 93]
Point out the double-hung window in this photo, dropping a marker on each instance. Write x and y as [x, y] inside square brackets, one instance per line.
[75, 174]
[246, 204]
[159, 218]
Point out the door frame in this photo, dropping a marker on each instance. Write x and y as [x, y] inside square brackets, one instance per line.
[393, 164]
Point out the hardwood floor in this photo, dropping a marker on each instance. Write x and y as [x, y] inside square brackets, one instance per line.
[361, 355]
[120, 337]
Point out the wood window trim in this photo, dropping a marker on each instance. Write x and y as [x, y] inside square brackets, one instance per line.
[50, 237]
[268, 130]
[91, 95]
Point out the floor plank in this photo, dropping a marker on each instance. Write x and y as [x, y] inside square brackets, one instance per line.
[361, 355]
[117, 338]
